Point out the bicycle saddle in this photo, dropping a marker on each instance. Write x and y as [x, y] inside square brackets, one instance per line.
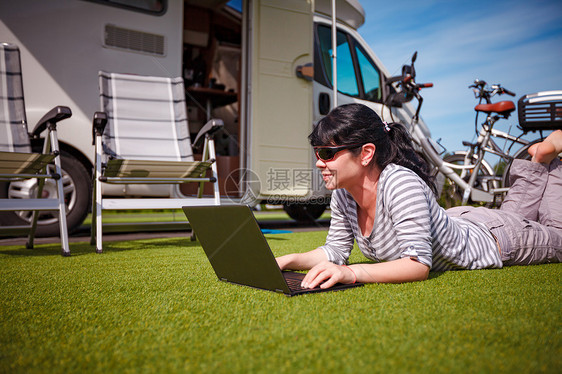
[503, 108]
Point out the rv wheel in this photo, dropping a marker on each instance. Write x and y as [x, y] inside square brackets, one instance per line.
[77, 189]
[304, 212]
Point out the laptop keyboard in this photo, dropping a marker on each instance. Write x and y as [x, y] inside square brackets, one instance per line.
[294, 284]
[294, 281]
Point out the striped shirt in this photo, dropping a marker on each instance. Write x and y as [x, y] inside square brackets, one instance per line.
[409, 223]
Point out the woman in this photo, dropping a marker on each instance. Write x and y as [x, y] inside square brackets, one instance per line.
[384, 199]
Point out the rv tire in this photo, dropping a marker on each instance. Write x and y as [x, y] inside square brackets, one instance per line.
[304, 212]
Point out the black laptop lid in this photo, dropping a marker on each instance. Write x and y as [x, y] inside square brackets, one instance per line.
[235, 246]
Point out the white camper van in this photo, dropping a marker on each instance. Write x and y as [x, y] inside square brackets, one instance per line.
[263, 66]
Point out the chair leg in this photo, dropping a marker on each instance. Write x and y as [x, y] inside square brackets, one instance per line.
[216, 191]
[31, 236]
[62, 206]
[92, 225]
[97, 214]
[64, 231]
[62, 213]
[97, 218]
[35, 215]
[99, 245]
[212, 154]
[97, 199]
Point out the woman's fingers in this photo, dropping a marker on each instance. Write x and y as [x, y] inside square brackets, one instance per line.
[330, 281]
[311, 276]
[325, 275]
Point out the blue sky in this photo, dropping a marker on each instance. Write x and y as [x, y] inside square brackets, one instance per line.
[512, 42]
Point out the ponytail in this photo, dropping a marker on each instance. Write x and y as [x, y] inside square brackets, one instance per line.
[400, 151]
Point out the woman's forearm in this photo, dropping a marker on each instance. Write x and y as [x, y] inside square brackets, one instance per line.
[397, 271]
[302, 261]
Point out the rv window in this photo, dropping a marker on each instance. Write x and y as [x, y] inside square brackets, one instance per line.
[155, 7]
[236, 5]
[347, 80]
[370, 75]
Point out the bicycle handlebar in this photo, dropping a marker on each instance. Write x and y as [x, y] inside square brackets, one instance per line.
[409, 88]
[482, 92]
[506, 91]
[478, 84]
[425, 85]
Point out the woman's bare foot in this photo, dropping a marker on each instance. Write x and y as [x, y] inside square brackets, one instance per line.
[547, 150]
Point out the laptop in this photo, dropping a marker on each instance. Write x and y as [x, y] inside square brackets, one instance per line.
[239, 253]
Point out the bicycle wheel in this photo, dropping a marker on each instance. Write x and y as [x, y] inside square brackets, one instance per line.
[451, 194]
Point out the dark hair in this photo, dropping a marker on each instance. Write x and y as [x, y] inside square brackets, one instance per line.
[357, 123]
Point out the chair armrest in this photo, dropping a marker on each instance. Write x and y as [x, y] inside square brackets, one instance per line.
[210, 127]
[98, 125]
[50, 119]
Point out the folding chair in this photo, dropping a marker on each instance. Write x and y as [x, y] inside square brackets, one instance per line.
[17, 161]
[142, 137]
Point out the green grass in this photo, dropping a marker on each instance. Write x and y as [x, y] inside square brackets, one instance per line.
[156, 306]
[173, 215]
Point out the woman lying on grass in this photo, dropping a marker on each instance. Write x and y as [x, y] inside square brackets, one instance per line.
[384, 199]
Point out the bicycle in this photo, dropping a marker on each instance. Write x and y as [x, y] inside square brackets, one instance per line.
[466, 176]
[485, 176]
[496, 179]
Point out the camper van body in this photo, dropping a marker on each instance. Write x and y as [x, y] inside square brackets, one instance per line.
[264, 155]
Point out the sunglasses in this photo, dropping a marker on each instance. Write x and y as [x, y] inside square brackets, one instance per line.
[328, 152]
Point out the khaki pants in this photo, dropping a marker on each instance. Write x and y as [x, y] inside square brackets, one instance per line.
[528, 225]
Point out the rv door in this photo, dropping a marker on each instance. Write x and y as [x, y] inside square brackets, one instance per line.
[279, 103]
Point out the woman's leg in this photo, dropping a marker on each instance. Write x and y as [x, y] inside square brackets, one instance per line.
[521, 241]
[528, 182]
[536, 194]
[550, 208]
[527, 242]
[541, 242]
[538, 180]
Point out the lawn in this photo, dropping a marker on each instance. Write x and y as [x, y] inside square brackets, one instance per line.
[156, 306]
[177, 216]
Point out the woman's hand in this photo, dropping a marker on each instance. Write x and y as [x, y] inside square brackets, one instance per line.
[326, 274]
